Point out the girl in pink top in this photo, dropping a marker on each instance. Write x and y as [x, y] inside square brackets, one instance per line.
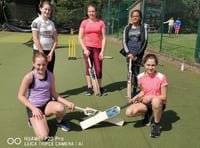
[152, 98]
[92, 38]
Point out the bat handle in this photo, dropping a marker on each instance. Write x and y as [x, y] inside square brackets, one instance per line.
[126, 105]
[79, 108]
[89, 62]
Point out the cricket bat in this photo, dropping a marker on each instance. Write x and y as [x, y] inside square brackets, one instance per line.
[95, 83]
[91, 112]
[129, 81]
[103, 116]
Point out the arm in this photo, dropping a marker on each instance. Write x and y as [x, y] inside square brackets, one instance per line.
[55, 43]
[22, 95]
[81, 41]
[163, 95]
[36, 40]
[124, 41]
[166, 22]
[101, 56]
[143, 40]
[138, 96]
[54, 94]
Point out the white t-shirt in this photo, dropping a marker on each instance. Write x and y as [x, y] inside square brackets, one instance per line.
[45, 32]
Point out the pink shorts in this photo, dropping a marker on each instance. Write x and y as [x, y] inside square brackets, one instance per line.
[177, 27]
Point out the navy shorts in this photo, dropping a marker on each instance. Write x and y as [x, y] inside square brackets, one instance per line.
[42, 108]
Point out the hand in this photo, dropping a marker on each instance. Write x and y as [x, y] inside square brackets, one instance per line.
[48, 58]
[86, 52]
[37, 113]
[101, 56]
[133, 57]
[147, 99]
[70, 105]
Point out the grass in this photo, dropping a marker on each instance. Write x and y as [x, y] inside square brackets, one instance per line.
[180, 120]
[182, 46]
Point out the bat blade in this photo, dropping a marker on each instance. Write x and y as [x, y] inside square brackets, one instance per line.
[129, 81]
[91, 112]
[100, 117]
[95, 83]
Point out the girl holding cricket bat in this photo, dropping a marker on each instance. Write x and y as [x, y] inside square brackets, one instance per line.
[92, 38]
[152, 98]
[44, 34]
[40, 86]
[134, 44]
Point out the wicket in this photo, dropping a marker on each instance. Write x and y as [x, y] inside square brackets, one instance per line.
[71, 49]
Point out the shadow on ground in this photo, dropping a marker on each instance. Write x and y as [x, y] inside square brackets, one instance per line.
[168, 118]
[116, 86]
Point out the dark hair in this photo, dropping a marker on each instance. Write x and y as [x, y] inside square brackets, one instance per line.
[138, 11]
[150, 56]
[42, 2]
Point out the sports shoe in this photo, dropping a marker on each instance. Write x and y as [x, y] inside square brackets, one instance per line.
[64, 126]
[156, 130]
[103, 91]
[29, 124]
[148, 117]
[89, 91]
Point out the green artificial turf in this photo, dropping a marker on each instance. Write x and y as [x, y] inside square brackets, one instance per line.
[180, 120]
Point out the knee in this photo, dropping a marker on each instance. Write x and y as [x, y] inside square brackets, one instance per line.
[129, 112]
[60, 107]
[156, 103]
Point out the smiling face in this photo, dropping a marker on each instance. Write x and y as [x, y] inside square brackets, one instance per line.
[150, 66]
[40, 63]
[45, 10]
[91, 12]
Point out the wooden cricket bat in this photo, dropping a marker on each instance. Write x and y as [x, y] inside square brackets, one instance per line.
[91, 111]
[103, 116]
[129, 81]
[95, 83]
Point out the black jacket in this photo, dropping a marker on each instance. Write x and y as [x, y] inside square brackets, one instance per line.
[143, 39]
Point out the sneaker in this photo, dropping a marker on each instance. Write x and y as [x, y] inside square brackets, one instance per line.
[103, 91]
[148, 118]
[64, 126]
[156, 130]
[29, 124]
[89, 91]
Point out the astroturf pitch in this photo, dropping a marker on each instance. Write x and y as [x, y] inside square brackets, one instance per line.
[180, 120]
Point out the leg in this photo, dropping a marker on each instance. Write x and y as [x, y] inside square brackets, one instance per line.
[58, 109]
[136, 109]
[97, 64]
[50, 65]
[40, 127]
[88, 79]
[135, 70]
[55, 108]
[157, 107]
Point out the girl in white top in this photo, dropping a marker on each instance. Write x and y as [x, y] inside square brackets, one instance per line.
[44, 34]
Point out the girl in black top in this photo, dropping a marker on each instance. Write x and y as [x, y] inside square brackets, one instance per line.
[134, 44]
